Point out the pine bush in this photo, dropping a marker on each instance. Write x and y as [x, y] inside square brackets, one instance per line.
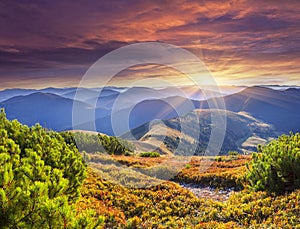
[40, 177]
[276, 167]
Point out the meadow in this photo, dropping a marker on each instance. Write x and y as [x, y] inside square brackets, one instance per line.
[168, 205]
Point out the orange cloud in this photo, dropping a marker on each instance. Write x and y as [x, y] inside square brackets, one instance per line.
[239, 41]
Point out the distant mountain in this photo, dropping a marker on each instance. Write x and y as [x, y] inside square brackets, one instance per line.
[191, 92]
[128, 96]
[166, 108]
[279, 108]
[243, 132]
[131, 108]
[294, 92]
[134, 115]
[280, 87]
[55, 112]
[86, 94]
[51, 111]
[10, 93]
[57, 91]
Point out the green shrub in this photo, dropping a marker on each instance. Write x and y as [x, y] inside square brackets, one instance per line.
[218, 159]
[115, 145]
[92, 143]
[188, 166]
[40, 177]
[277, 167]
[150, 154]
[233, 153]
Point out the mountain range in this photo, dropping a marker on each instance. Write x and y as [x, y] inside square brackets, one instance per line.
[254, 114]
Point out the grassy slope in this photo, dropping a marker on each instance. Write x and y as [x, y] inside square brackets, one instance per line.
[169, 206]
[242, 133]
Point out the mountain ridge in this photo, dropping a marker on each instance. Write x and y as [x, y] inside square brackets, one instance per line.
[277, 108]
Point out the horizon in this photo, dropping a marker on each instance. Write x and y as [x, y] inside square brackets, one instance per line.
[153, 87]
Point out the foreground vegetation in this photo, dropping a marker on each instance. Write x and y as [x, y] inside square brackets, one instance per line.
[276, 168]
[40, 178]
[92, 143]
[45, 183]
[170, 206]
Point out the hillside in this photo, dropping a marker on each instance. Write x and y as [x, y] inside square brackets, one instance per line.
[50, 110]
[243, 132]
[279, 108]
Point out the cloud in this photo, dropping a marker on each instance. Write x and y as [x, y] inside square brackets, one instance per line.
[236, 39]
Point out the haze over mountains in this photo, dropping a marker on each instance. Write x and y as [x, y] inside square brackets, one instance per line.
[52, 107]
[254, 114]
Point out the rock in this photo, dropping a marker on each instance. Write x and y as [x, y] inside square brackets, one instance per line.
[209, 192]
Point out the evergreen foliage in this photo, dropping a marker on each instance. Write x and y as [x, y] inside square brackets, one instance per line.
[40, 177]
[150, 154]
[276, 167]
[87, 142]
[115, 146]
[92, 143]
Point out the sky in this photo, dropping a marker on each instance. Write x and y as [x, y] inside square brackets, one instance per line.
[52, 43]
